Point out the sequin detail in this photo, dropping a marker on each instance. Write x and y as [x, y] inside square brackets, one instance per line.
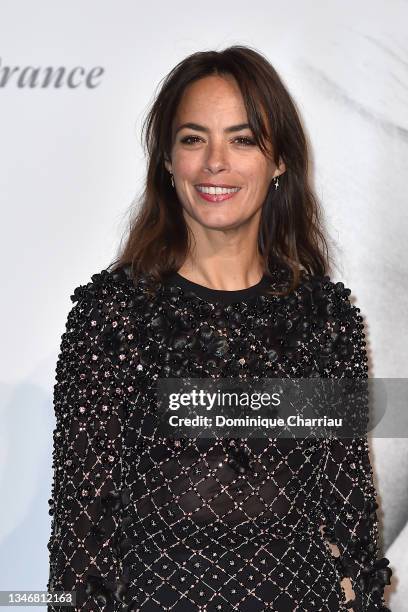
[203, 525]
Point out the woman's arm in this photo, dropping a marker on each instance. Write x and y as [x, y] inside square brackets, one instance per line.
[87, 497]
[348, 491]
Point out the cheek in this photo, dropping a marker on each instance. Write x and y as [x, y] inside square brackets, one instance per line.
[258, 181]
[186, 165]
[256, 172]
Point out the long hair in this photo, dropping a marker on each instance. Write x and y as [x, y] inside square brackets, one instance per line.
[290, 231]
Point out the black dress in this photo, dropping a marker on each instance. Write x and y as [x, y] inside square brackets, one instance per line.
[145, 524]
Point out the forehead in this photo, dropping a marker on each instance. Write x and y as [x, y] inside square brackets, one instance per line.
[213, 97]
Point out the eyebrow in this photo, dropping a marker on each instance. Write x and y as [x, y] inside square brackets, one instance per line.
[201, 128]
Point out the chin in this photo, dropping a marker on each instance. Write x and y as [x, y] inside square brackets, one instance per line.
[220, 224]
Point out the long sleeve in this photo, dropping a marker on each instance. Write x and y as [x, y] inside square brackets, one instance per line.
[348, 492]
[87, 498]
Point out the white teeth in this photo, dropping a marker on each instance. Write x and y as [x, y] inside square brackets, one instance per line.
[217, 190]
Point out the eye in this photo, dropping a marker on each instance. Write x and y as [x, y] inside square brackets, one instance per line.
[187, 139]
[245, 141]
[242, 140]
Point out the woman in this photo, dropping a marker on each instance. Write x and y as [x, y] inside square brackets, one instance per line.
[223, 275]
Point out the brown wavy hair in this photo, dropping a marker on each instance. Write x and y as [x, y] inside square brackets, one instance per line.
[290, 231]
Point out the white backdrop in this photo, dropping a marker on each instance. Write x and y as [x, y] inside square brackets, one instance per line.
[71, 166]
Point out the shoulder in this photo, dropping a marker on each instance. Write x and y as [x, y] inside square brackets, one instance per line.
[327, 298]
[114, 292]
[337, 326]
[105, 309]
[103, 285]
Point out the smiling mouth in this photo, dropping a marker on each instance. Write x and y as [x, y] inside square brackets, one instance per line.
[216, 194]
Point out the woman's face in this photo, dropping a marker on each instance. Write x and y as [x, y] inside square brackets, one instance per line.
[217, 150]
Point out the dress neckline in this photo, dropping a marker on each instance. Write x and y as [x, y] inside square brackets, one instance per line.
[219, 295]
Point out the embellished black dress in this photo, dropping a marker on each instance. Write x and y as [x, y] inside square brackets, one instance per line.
[144, 524]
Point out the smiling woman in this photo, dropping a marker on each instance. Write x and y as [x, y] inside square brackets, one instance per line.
[225, 120]
[225, 149]
[223, 275]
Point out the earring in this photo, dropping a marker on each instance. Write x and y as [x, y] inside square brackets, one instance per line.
[276, 182]
[172, 180]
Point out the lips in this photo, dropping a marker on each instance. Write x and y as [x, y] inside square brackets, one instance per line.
[217, 197]
[214, 185]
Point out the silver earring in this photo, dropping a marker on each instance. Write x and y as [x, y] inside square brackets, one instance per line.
[276, 182]
[172, 180]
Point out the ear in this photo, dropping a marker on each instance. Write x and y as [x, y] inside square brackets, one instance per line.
[281, 167]
[167, 164]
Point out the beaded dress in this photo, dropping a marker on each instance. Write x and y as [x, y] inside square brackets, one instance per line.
[150, 525]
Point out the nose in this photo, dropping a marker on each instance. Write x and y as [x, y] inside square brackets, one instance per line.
[216, 158]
